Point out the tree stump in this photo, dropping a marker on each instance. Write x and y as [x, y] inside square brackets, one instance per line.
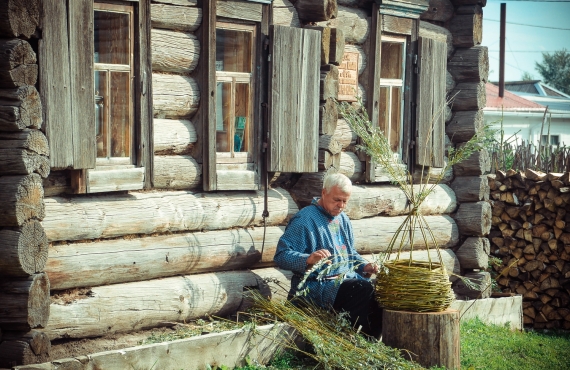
[431, 338]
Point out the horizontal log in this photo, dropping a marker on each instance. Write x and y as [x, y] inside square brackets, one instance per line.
[316, 10]
[438, 33]
[88, 264]
[372, 235]
[178, 2]
[438, 10]
[18, 65]
[92, 217]
[474, 218]
[174, 96]
[285, 14]
[33, 140]
[355, 24]
[329, 143]
[19, 18]
[173, 17]
[467, 27]
[172, 51]
[249, 11]
[478, 163]
[25, 302]
[326, 160]
[23, 162]
[24, 348]
[143, 305]
[173, 136]
[328, 117]
[470, 64]
[464, 125]
[372, 200]
[344, 134]
[177, 172]
[21, 199]
[24, 250]
[351, 166]
[471, 188]
[469, 96]
[329, 82]
[474, 253]
[20, 108]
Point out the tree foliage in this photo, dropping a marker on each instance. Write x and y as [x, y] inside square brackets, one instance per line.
[555, 69]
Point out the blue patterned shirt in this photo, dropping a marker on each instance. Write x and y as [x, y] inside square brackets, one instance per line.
[311, 229]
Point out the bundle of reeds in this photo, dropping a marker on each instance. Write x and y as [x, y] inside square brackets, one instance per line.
[409, 284]
[335, 344]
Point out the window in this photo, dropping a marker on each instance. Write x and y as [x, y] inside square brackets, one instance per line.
[392, 67]
[113, 65]
[554, 140]
[235, 51]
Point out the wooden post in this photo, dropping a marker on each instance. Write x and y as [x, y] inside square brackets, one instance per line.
[431, 338]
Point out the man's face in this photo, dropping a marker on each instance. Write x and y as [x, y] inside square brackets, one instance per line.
[334, 201]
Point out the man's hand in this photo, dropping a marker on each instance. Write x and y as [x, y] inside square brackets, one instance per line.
[370, 269]
[316, 256]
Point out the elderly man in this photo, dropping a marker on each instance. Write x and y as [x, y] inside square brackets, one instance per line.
[323, 231]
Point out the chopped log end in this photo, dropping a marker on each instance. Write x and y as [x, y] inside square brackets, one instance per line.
[26, 302]
[25, 250]
[19, 18]
[316, 10]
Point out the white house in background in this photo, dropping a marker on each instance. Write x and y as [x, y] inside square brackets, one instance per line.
[522, 108]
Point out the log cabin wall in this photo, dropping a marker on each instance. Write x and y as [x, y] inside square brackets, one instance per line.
[530, 233]
[124, 261]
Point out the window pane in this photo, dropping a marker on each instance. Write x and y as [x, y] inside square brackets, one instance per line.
[101, 107]
[242, 121]
[396, 117]
[120, 112]
[223, 116]
[392, 60]
[112, 37]
[384, 111]
[233, 50]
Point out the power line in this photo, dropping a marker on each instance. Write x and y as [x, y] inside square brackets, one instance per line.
[529, 25]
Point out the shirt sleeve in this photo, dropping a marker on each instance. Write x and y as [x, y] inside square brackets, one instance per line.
[294, 247]
[355, 257]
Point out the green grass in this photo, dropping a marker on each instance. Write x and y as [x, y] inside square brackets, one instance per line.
[493, 347]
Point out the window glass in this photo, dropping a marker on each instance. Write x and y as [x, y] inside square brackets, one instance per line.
[113, 63]
[233, 50]
[392, 56]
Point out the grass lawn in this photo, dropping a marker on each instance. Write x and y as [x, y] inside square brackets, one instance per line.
[485, 347]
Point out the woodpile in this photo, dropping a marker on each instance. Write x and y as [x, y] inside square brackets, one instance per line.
[531, 235]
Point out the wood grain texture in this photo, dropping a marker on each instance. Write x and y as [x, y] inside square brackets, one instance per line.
[24, 250]
[55, 82]
[285, 14]
[474, 253]
[464, 125]
[474, 219]
[471, 188]
[25, 302]
[355, 23]
[469, 96]
[18, 65]
[328, 117]
[174, 96]
[177, 172]
[178, 2]
[401, 329]
[24, 348]
[316, 10]
[21, 198]
[88, 264]
[351, 166]
[24, 152]
[91, 217]
[437, 33]
[172, 51]
[174, 17]
[248, 11]
[467, 29]
[293, 122]
[20, 108]
[479, 163]
[470, 64]
[103, 180]
[147, 304]
[173, 136]
[20, 18]
[439, 11]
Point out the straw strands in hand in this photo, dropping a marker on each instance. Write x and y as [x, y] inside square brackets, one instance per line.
[414, 286]
[335, 343]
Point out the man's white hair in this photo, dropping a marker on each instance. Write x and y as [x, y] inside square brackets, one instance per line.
[339, 180]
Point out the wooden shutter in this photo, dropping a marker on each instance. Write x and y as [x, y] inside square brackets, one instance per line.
[431, 101]
[66, 82]
[294, 99]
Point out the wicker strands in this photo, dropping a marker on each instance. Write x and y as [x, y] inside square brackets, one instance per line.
[414, 286]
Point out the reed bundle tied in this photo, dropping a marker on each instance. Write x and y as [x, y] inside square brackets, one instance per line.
[409, 284]
[335, 344]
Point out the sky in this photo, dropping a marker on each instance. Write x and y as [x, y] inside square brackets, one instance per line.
[524, 44]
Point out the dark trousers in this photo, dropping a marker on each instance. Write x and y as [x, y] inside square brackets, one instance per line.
[356, 297]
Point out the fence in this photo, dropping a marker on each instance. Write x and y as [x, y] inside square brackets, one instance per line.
[547, 158]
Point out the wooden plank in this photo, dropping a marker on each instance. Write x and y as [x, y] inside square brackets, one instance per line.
[208, 96]
[54, 81]
[178, 2]
[237, 180]
[81, 49]
[294, 67]
[398, 25]
[424, 100]
[144, 95]
[102, 180]
[239, 10]
[439, 102]
[373, 105]
[92, 217]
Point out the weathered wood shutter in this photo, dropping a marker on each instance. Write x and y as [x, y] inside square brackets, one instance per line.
[294, 99]
[431, 101]
[66, 82]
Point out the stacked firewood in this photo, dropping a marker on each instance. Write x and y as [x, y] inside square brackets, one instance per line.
[531, 235]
